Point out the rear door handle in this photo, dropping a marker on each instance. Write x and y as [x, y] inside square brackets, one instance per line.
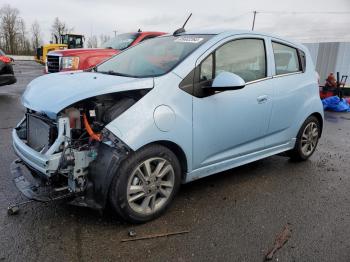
[262, 99]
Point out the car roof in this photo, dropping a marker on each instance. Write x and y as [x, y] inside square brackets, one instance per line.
[212, 31]
[225, 32]
[151, 32]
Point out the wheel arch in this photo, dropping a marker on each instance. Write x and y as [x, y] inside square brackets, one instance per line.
[320, 120]
[178, 151]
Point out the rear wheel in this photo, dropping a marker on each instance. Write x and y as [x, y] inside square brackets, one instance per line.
[307, 140]
[146, 184]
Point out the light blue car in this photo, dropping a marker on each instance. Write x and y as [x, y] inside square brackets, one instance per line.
[168, 111]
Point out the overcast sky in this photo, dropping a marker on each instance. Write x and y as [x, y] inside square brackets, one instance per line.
[302, 20]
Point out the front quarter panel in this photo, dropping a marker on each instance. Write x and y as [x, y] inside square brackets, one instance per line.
[137, 126]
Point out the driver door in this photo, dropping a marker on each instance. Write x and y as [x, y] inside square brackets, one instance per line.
[230, 124]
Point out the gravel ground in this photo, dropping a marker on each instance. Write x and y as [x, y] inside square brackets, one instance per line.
[231, 216]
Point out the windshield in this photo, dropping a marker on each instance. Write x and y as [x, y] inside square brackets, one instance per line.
[120, 42]
[153, 57]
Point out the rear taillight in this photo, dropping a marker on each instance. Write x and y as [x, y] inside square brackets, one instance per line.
[5, 59]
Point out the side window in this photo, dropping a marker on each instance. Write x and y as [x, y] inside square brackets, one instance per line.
[244, 57]
[204, 74]
[206, 69]
[302, 60]
[286, 59]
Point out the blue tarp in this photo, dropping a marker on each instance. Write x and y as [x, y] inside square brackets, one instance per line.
[334, 103]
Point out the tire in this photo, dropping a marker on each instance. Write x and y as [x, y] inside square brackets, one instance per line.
[138, 197]
[307, 140]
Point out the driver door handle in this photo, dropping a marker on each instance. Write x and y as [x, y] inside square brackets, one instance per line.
[262, 99]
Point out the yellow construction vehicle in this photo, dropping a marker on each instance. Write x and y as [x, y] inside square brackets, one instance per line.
[66, 41]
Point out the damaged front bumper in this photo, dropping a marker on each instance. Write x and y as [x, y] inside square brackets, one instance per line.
[33, 187]
[37, 172]
[88, 174]
[46, 163]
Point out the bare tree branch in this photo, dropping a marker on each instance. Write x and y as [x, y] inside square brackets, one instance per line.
[104, 38]
[8, 27]
[36, 35]
[59, 28]
[92, 42]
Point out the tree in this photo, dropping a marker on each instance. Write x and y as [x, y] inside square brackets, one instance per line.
[92, 42]
[13, 34]
[36, 35]
[59, 28]
[104, 38]
[9, 27]
[22, 42]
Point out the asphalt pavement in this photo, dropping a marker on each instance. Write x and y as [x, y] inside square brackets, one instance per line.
[232, 216]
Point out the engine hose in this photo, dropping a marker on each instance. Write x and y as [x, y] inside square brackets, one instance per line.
[92, 134]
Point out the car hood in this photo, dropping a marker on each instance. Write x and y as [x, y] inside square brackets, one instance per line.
[84, 51]
[49, 94]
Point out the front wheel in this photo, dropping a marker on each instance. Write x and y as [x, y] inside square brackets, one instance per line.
[307, 140]
[145, 184]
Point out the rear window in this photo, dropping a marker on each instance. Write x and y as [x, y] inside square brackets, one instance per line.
[120, 42]
[286, 59]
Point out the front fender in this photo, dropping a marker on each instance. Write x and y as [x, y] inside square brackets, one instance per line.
[150, 119]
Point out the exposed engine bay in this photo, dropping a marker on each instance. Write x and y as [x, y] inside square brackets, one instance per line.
[68, 148]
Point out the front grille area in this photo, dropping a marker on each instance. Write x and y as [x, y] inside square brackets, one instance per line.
[41, 132]
[53, 64]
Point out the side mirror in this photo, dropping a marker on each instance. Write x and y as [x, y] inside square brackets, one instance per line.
[227, 81]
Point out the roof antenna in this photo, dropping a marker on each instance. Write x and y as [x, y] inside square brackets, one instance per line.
[182, 29]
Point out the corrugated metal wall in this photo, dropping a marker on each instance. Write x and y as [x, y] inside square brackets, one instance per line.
[330, 57]
[313, 48]
[343, 60]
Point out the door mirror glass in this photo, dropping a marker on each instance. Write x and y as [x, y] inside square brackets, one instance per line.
[227, 81]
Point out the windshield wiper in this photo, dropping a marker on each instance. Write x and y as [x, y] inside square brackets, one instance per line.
[111, 72]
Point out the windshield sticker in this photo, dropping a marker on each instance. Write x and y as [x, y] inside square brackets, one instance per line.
[188, 39]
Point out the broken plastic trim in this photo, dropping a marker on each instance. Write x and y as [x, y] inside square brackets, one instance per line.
[34, 191]
[111, 152]
[112, 140]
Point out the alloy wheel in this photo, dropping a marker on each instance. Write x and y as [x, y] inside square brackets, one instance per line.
[309, 138]
[150, 185]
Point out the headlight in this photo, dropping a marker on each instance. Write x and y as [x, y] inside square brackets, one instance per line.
[70, 62]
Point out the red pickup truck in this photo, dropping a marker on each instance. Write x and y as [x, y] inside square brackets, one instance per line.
[84, 58]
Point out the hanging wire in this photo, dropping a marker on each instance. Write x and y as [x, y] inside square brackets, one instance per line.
[305, 13]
